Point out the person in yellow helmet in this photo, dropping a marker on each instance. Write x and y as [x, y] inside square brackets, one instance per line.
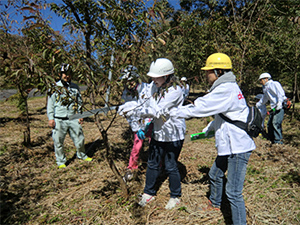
[233, 144]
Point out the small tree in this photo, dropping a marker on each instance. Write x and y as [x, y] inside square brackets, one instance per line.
[24, 65]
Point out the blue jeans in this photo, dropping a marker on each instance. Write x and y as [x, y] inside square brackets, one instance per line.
[169, 152]
[236, 166]
[274, 126]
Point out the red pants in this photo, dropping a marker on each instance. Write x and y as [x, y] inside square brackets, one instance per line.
[135, 152]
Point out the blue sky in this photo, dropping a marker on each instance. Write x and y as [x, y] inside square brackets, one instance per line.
[55, 21]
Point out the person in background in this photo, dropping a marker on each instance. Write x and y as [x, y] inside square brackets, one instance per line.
[134, 93]
[58, 114]
[234, 145]
[274, 93]
[262, 109]
[185, 87]
[168, 134]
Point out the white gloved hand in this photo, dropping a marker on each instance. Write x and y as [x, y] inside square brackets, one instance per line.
[126, 108]
[131, 112]
[279, 106]
[208, 128]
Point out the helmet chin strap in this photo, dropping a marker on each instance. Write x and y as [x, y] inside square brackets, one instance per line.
[216, 73]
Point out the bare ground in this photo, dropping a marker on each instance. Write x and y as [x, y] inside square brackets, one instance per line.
[34, 191]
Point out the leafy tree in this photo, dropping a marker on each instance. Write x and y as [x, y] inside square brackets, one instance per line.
[105, 28]
[24, 61]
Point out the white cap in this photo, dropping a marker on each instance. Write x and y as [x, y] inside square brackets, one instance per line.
[161, 67]
[264, 75]
[183, 79]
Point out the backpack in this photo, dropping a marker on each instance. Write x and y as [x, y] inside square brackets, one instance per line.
[253, 126]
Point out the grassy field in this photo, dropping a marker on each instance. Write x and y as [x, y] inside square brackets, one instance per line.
[34, 191]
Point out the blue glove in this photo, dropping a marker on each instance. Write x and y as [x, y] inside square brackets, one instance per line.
[141, 134]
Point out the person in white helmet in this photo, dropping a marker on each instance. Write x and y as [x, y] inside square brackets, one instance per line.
[168, 133]
[233, 144]
[134, 93]
[185, 87]
[58, 114]
[274, 93]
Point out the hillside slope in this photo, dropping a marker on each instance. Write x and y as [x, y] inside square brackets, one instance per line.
[34, 191]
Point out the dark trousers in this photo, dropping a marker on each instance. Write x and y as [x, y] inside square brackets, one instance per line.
[169, 152]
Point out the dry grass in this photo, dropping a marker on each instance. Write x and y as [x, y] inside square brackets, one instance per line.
[34, 191]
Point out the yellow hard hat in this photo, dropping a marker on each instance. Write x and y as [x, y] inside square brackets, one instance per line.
[218, 61]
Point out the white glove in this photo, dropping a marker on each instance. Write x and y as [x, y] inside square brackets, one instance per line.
[126, 108]
[208, 128]
[279, 106]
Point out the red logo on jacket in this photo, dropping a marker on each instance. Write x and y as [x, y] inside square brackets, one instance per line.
[240, 96]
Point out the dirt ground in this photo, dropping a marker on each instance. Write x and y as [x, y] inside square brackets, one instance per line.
[34, 191]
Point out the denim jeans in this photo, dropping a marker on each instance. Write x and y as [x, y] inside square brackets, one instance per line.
[169, 152]
[274, 126]
[236, 166]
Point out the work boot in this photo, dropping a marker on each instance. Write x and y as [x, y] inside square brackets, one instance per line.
[210, 207]
[61, 166]
[88, 159]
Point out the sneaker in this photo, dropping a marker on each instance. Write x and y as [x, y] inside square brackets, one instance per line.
[210, 207]
[88, 159]
[172, 203]
[145, 199]
[128, 175]
[62, 166]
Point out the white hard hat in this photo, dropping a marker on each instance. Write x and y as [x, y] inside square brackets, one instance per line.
[183, 79]
[161, 67]
[129, 73]
[264, 75]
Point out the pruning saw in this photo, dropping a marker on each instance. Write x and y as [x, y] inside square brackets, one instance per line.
[92, 112]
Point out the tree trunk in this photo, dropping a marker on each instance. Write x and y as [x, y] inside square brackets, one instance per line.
[25, 112]
[112, 165]
[294, 95]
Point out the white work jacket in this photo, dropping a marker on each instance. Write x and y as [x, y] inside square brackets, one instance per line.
[274, 93]
[165, 129]
[226, 98]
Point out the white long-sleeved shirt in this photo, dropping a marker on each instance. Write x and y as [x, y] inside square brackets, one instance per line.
[228, 99]
[165, 129]
[274, 93]
[55, 108]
